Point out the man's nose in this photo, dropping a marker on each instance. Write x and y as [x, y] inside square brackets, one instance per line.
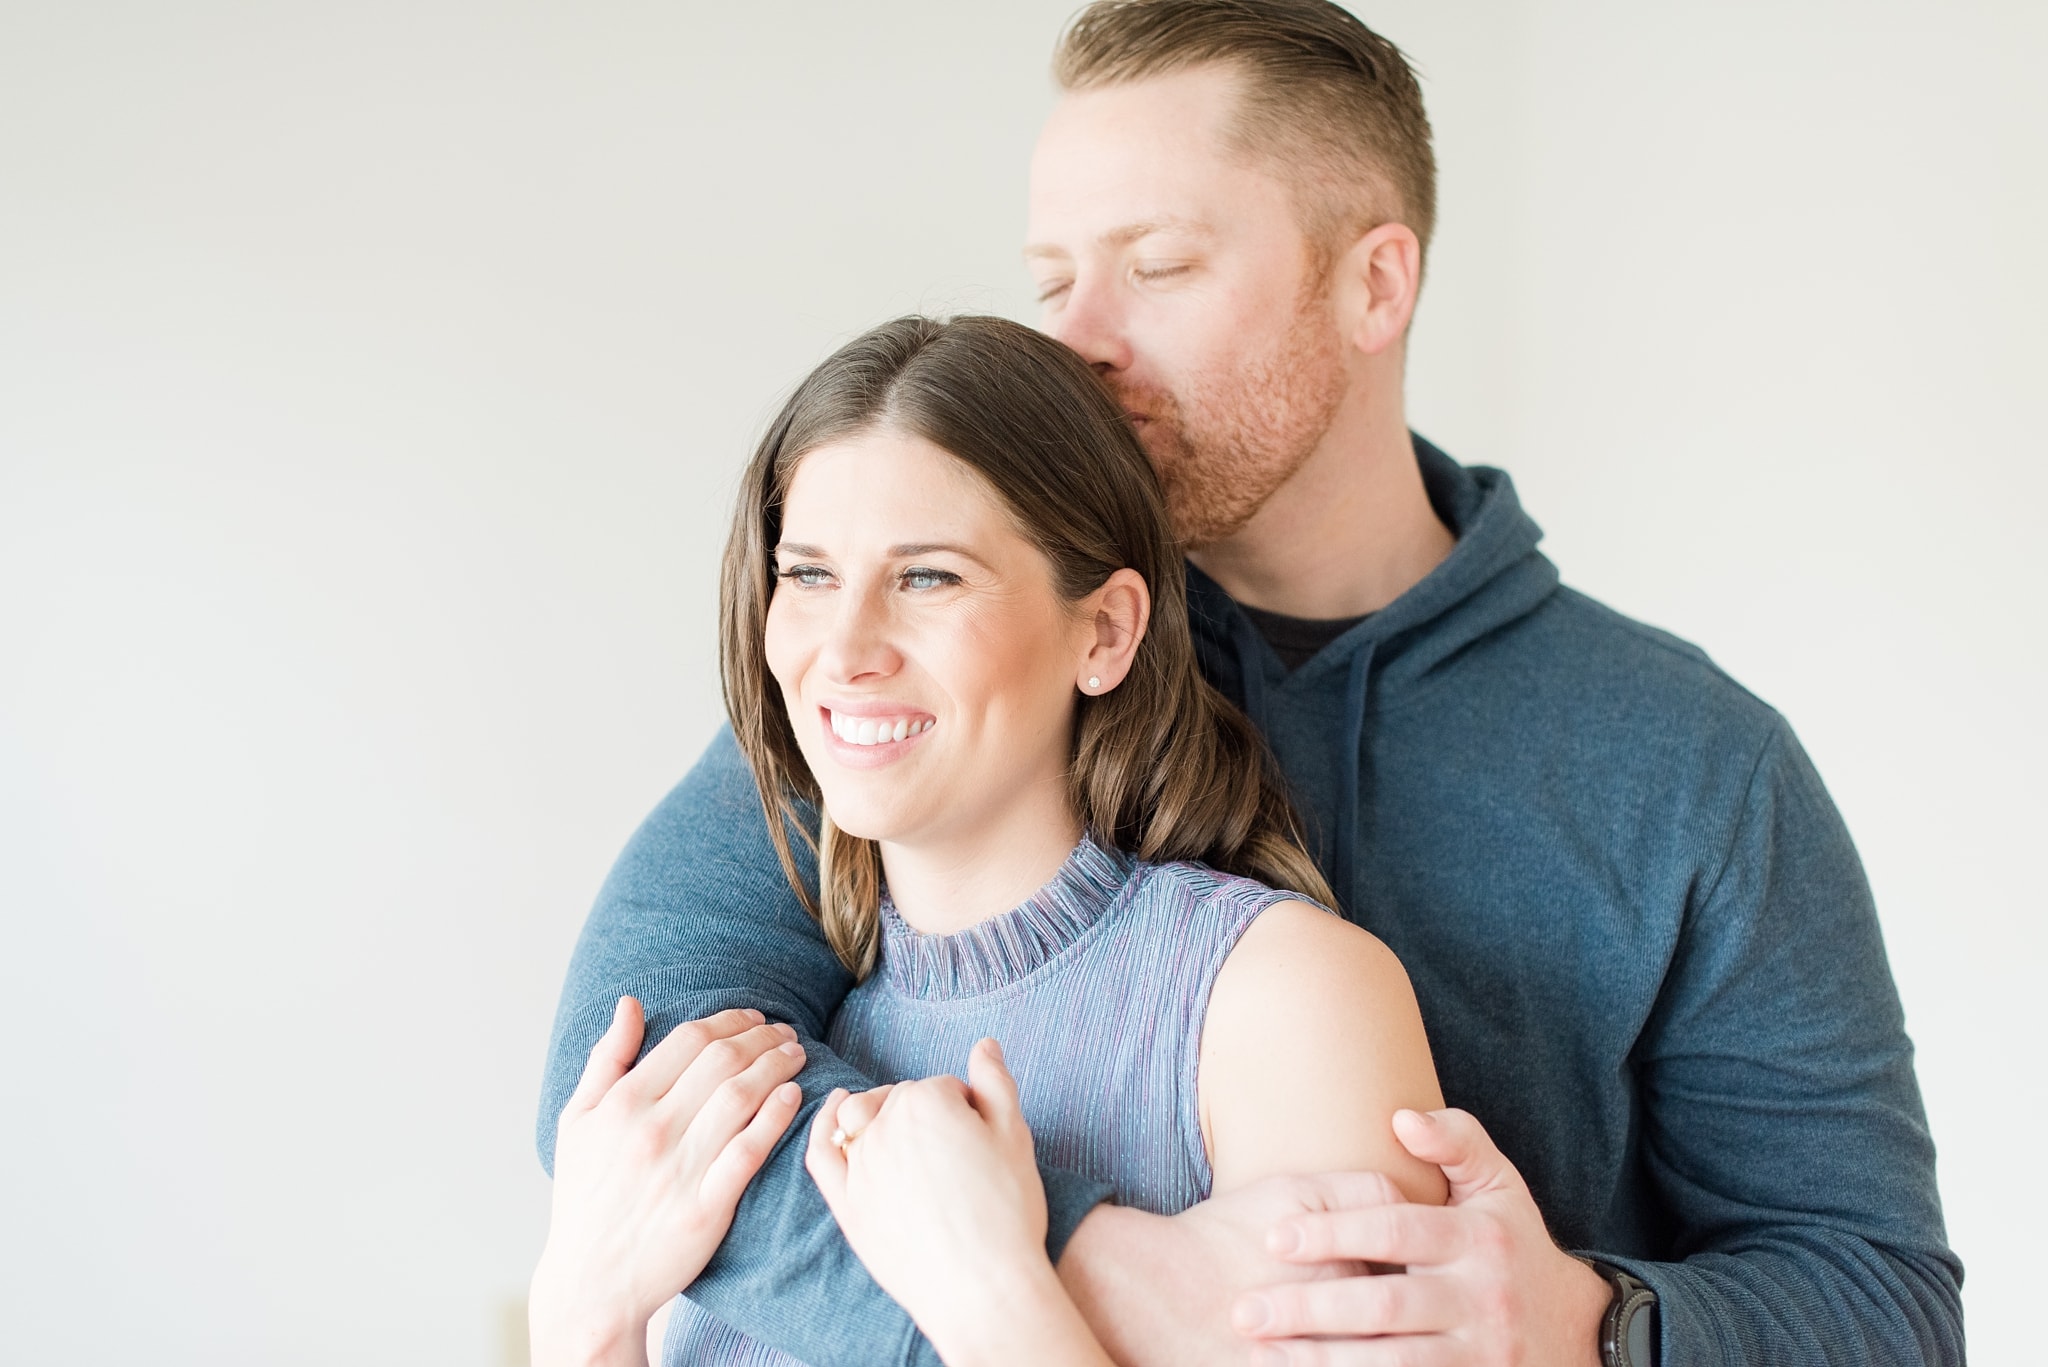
[1091, 320]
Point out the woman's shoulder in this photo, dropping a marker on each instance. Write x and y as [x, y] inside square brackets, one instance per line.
[1312, 1040]
[1189, 881]
[1278, 925]
[1300, 969]
[1296, 946]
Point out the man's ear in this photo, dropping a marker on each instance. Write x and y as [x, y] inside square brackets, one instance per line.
[1375, 284]
[1117, 614]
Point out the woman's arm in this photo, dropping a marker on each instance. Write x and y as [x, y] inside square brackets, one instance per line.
[935, 1186]
[1312, 1041]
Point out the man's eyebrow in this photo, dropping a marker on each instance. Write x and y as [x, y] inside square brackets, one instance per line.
[1128, 233]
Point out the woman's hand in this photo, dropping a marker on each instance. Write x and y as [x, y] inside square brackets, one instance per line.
[937, 1190]
[650, 1162]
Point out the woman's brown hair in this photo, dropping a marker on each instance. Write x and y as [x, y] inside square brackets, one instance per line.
[1164, 767]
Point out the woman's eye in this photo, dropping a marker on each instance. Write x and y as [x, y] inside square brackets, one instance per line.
[919, 579]
[806, 576]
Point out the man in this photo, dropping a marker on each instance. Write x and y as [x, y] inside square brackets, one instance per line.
[1642, 942]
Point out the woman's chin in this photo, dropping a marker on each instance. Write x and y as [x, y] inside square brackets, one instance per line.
[864, 830]
[866, 820]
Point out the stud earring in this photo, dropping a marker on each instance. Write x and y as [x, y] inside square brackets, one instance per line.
[1093, 683]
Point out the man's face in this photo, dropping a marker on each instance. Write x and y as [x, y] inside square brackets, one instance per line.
[1181, 273]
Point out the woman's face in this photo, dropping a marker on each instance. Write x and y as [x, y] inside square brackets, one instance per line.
[927, 660]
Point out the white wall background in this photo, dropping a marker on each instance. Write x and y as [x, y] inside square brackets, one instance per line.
[372, 381]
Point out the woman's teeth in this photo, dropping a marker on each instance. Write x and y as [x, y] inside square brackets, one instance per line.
[875, 730]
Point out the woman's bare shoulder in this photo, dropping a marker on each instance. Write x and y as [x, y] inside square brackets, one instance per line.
[1306, 946]
[1312, 1041]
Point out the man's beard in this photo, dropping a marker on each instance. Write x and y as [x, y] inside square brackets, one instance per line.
[1242, 434]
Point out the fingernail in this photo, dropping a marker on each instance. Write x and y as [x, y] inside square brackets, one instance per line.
[1252, 1314]
[751, 1014]
[789, 1091]
[1284, 1241]
[788, 1030]
[793, 1049]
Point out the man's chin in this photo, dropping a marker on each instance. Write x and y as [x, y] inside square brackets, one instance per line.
[1201, 528]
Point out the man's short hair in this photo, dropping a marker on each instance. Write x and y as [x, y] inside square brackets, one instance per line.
[1331, 104]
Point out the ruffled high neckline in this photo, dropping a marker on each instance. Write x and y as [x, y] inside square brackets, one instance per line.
[1005, 948]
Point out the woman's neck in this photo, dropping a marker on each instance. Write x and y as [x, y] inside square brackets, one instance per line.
[945, 884]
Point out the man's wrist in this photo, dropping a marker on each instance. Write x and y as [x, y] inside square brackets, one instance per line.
[1101, 1272]
[1095, 1253]
[1583, 1308]
[1628, 1334]
[1069, 1200]
[1625, 1324]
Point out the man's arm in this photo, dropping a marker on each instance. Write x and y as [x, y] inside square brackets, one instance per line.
[695, 918]
[1782, 1128]
[1783, 1125]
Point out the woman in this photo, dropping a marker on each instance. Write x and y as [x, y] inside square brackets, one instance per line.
[955, 620]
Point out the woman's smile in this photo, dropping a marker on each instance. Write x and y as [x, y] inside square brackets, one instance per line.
[870, 735]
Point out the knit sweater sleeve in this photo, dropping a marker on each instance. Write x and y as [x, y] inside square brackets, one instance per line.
[1783, 1126]
[697, 917]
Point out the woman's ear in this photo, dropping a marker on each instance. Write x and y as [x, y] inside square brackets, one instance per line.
[1117, 614]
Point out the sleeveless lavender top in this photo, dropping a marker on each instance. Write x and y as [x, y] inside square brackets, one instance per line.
[1096, 988]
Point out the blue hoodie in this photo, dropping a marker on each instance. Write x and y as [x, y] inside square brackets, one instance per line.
[1644, 947]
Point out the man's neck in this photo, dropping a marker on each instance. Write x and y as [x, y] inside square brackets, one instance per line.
[1351, 531]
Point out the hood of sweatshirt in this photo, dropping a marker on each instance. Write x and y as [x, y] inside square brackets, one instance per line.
[1492, 577]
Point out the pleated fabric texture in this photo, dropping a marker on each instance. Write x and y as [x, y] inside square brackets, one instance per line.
[1095, 987]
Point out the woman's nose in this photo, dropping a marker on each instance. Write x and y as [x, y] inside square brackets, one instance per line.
[859, 643]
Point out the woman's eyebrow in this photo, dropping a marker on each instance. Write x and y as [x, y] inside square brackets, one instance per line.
[799, 550]
[915, 548]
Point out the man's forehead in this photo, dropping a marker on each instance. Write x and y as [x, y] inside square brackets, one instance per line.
[1177, 107]
[1154, 156]
[1124, 233]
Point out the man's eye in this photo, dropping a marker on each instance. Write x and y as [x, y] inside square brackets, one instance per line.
[1151, 273]
[1052, 289]
[806, 576]
[920, 579]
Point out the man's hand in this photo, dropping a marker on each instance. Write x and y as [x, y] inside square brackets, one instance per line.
[1157, 1289]
[1483, 1284]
